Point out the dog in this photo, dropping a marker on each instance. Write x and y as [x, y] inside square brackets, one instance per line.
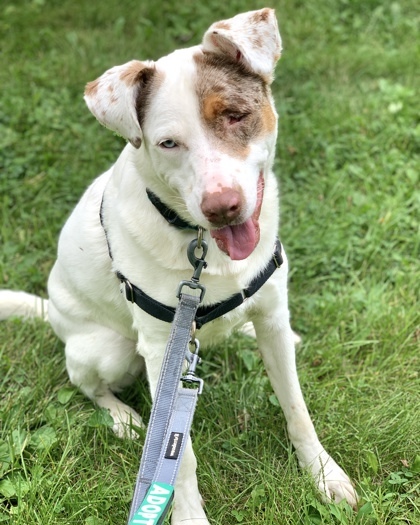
[201, 128]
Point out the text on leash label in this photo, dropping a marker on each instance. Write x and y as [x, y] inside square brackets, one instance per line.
[174, 445]
[153, 509]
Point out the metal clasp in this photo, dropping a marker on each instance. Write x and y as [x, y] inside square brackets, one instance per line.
[198, 264]
[193, 359]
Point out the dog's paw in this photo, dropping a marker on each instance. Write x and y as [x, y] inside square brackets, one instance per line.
[334, 483]
[189, 511]
[248, 330]
[126, 421]
[297, 340]
[188, 517]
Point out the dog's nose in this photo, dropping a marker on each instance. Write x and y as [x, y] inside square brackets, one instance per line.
[222, 207]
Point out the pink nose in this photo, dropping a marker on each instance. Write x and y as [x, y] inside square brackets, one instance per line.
[222, 207]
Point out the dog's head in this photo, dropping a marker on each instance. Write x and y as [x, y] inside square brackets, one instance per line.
[204, 124]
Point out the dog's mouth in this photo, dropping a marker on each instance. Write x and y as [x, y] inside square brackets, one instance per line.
[238, 241]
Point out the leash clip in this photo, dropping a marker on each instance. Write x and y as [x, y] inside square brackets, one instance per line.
[193, 359]
[198, 263]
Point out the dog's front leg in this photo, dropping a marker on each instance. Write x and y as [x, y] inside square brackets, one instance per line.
[188, 503]
[276, 342]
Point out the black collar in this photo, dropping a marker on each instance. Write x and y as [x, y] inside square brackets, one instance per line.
[168, 214]
[205, 314]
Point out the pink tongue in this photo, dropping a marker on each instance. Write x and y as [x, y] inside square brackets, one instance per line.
[238, 241]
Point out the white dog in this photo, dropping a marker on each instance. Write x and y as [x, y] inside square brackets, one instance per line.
[201, 127]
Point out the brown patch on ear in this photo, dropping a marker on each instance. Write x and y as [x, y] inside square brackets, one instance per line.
[261, 16]
[131, 74]
[222, 25]
[92, 88]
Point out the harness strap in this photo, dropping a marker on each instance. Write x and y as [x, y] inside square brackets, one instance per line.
[205, 314]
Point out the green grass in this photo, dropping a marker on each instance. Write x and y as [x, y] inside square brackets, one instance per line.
[348, 161]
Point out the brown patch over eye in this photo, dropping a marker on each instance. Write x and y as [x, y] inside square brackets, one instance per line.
[234, 103]
[212, 106]
[269, 118]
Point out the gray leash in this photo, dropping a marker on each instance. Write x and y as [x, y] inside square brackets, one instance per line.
[173, 408]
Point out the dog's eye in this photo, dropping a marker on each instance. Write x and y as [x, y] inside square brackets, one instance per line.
[234, 118]
[168, 144]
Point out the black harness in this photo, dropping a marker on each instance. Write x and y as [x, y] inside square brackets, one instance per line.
[204, 314]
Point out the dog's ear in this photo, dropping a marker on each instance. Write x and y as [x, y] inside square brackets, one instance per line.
[252, 39]
[113, 98]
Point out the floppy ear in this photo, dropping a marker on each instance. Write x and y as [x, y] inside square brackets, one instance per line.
[113, 98]
[252, 39]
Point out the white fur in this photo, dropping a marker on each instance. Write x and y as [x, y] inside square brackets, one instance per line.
[22, 304]
[107, 338]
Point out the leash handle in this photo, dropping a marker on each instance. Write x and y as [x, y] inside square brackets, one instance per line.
[165, 397]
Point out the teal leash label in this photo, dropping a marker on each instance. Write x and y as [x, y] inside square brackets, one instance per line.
[155, 505]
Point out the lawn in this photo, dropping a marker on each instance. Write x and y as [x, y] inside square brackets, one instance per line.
[348, 162]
